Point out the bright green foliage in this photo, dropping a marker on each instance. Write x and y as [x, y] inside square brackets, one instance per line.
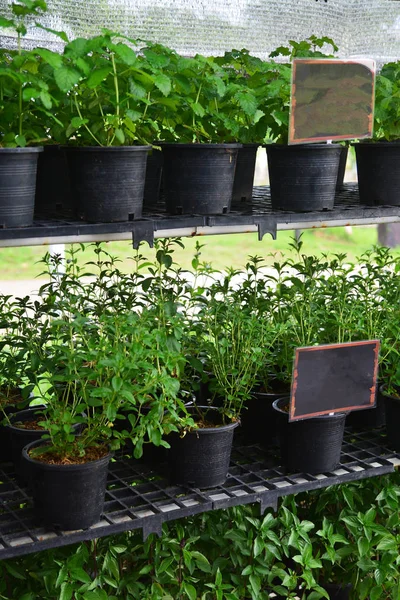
[387, 103]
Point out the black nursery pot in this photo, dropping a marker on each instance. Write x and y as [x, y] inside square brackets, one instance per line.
[108, 182]
[20, 437]
[342, 166]
[378, 172]
[312, 445]
[369, 417]
[244, 174]
[201, 458]
[67, 496]
[337, 592]
[53, 190]
[304, 177]
[18, 167]
[152, 184]
[198, 178]
[259, 420]
[392, 410]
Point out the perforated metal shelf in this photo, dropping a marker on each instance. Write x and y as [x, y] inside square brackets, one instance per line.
[139, 497]
[255, 216]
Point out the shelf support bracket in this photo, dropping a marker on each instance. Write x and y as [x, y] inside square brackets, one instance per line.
[143, 231]
[266, 225]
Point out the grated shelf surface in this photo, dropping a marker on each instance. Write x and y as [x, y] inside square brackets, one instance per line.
[254, 215]
[139, 496]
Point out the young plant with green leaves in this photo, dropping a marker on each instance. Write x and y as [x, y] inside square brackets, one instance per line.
[26, 101]
[387, 103]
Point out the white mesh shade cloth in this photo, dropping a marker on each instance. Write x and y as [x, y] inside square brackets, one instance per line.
[361, 28]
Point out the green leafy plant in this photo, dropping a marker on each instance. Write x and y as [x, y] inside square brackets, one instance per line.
[387, 103]
[25, 99]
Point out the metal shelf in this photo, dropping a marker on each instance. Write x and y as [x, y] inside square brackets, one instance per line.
[245, 217]
[139, 496]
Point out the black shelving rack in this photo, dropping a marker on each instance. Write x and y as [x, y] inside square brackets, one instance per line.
[139, 496]
[255, 216]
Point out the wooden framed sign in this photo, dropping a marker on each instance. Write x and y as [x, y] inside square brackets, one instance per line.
[334, 378]
[331, 99]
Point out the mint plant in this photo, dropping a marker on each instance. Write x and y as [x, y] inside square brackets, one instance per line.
[387, 105]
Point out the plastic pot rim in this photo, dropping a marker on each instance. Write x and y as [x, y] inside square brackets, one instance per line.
[385, 393]
[197, 145]
[211, 430]
[304, 147]
[28, 150]
[319, 418]
[15, 417]
[65, 468]
[105, 149]
[375, 143]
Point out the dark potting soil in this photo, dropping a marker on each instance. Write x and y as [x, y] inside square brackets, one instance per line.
[91, 454]
[33, 425]
[10, 397]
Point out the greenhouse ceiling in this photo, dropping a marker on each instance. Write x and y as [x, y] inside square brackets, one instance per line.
[361, 28]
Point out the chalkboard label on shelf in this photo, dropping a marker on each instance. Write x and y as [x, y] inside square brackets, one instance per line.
[334, 378]
[331, 99]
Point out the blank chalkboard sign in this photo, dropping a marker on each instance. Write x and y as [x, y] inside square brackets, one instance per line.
[334, 378]
[332, 99]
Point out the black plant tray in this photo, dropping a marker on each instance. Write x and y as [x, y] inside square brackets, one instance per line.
[256, 215]
[139, 497]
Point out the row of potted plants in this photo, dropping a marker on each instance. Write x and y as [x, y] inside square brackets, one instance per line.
[108, 98]
[115, 359]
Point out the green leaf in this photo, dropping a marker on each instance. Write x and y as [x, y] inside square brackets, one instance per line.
[198, 109]
[46, 99]
[163, 83]
[201, 562]
[97, 76]
[255, 583]
[61, 34]
[376, 592]
[126, 54]
[67, 589]
[190, 590]
[20, 140]
[363, 546]
[119, 134]
[248, 102]
[80, 574]
[258, 546]
[52, 58]
[66, 78]
[388, 543]
[136, 89]
[6, 22]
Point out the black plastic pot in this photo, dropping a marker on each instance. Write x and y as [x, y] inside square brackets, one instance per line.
[244, 174]
[152, 184]
[18, 167]
[5, 441]
[19, 438]
[312, 445]
[53, 189]
[303, 178]
[67, 496]
[342, 166]
[378, 172]
[392, 410]
[108, 182]
[369, 417]
[198, 178]
[259, 421]
[201, 458]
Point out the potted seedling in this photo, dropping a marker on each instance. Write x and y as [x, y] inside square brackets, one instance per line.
[196, 134]
[25, 103]
[378, 159]
[303, 177]
[108, 126]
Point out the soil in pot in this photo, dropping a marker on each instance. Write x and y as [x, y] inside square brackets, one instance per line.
[68, 496]
[244, 174]
[200, 458]
[198, 178]
[108, 182]
[18, 167]
[378, 172]
[392, 410]
[311, 445]
[303, 178]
